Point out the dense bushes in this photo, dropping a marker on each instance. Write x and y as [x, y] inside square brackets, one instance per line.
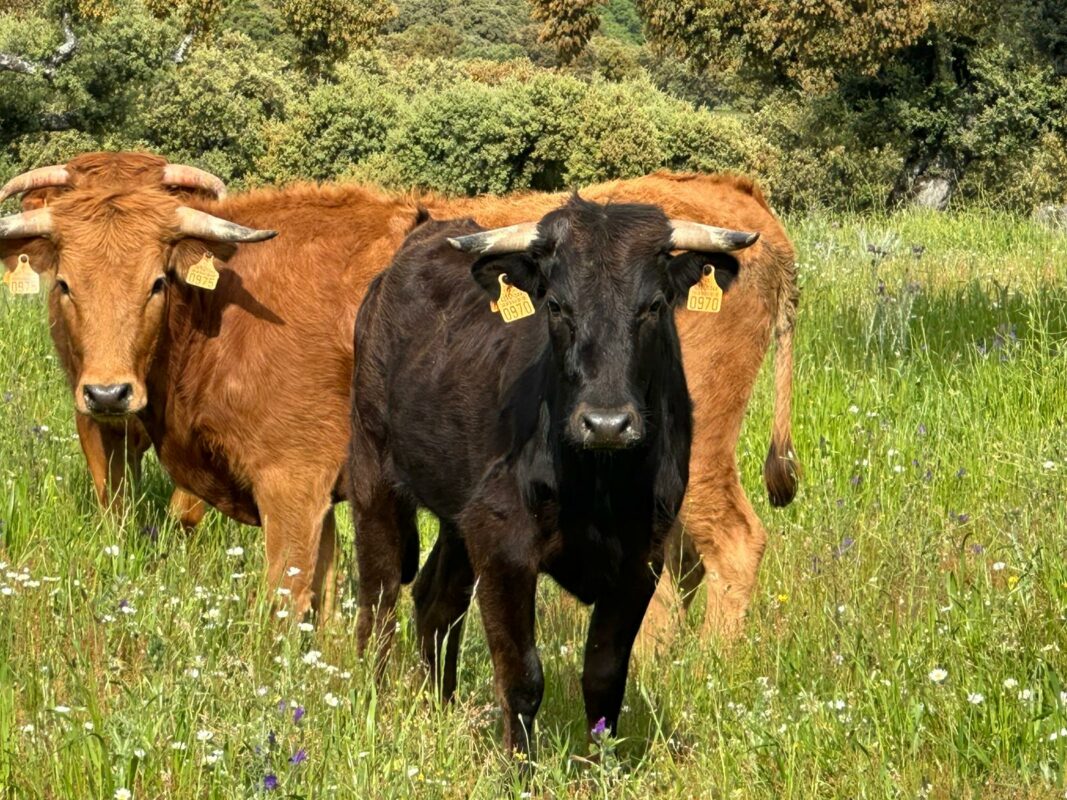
[457, 99]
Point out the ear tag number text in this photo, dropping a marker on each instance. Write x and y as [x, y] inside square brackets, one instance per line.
[514, 303]
[705, 295]
[23, 280]
[203, 273]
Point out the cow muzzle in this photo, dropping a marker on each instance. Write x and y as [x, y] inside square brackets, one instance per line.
[606, 428]
[108, 399]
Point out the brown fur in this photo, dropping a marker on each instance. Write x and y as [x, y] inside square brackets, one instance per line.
[246, 389]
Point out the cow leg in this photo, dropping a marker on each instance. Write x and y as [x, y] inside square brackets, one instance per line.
[294, 511]
[113, 455]
[613, 627]
[674, 592]
[730, 540]
[501, 541]
[187, 508]
[381, 544]
[442, 594]
[324, 584]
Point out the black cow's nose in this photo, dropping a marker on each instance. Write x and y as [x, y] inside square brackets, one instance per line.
[610, 427]
[112, 398]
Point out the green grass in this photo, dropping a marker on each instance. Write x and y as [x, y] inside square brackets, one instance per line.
[928, 534]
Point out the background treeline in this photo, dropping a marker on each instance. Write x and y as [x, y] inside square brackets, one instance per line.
[839, 103]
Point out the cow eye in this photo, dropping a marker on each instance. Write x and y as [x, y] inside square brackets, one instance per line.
[159, 285]
[63, 286]
[655, 308]
[554, 308]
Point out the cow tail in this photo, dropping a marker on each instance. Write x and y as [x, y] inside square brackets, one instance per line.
[781, 470]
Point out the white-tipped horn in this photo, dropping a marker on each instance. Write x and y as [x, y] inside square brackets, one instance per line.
[193, 178]
[201, 225]
[39, 178]
[687, 235]
[26, 225]
[512, 239]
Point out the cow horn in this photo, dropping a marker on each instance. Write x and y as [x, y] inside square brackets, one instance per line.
[39, 178]
[687, 235]
[513, 239]
[200, 225]
[27, 224]
[193, 178]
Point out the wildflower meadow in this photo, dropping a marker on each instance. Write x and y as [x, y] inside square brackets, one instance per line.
[907, 638]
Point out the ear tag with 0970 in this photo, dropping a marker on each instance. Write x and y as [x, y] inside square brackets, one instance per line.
[23, 280]
[705, 295]
[514, 303]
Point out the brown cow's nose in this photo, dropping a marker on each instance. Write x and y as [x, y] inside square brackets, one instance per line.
[112, 398]
[610, 427]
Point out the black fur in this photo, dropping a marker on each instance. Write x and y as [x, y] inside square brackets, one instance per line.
[482, 423]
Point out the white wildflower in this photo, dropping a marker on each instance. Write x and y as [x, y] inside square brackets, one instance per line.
[235, 552]
[938, 675]
[975, 698]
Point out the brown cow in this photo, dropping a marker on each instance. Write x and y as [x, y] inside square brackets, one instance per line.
[244, 391]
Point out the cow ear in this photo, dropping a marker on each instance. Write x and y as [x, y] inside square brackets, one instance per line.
[520, 268]
[187, 252]
[41, 251]
[685, 269]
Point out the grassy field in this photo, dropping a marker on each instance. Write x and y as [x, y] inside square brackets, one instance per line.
[908, 637]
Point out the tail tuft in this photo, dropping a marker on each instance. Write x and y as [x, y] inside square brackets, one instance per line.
[781, 473]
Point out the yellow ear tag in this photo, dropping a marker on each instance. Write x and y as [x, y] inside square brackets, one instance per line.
[514, 303]
[705, 294]
[23, 280]
[203, 273]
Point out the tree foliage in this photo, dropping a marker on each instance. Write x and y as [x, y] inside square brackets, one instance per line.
[567, 25]
[807, 44]
[327, 30]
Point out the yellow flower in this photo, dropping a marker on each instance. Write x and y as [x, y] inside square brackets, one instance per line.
[1012, 580]
[783, 598]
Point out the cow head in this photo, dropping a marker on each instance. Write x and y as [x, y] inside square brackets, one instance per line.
[113, 234]
[606, 279]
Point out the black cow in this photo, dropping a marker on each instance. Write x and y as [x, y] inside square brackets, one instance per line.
[559, 443]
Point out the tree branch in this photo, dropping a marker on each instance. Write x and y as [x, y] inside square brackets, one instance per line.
[47, 68]
[183, 47]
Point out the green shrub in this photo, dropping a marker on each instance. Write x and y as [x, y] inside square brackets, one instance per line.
[339, 125]
[468, 139]
[212, 109]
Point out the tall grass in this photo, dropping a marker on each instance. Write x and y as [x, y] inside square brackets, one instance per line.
[908, 637]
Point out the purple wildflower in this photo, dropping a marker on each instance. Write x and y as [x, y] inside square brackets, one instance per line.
[855, 480]
[270, 782]
[281, 706]
[299, 757]
[844, 547]
[601, 727]
[977, 549]
[123, 603]
[922, 429]
[272, 740]
[298, 713]
[961, 472]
